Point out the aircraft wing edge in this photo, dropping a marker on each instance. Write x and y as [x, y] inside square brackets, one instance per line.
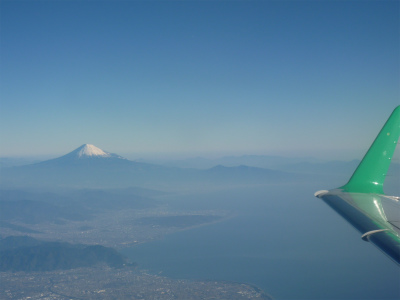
[361, 201]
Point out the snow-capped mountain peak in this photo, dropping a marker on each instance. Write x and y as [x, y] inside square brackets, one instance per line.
[91, 150]
[84, 155]
[88, 151]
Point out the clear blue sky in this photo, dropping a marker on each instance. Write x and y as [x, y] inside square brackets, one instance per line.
[315, 78]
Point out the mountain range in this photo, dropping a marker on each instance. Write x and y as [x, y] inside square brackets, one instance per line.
[91, 167]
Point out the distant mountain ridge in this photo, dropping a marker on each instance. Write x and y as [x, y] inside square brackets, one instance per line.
[91, 167]
[258, 161]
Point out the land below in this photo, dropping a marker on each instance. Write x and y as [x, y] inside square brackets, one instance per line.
[96, 224]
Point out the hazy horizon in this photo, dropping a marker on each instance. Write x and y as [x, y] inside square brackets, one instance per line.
[170, 156]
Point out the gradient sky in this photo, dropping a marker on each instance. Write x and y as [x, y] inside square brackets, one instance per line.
[295, 78]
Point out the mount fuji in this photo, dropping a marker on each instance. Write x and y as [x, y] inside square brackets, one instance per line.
[85, 154]
[86, 166]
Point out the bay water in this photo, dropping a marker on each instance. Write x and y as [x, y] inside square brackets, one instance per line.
[279, 238]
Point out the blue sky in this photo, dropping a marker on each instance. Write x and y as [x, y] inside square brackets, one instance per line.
[292, 78]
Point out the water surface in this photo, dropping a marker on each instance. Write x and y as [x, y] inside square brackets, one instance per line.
[283, 240]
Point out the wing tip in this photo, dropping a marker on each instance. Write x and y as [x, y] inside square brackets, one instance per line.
[320, 193]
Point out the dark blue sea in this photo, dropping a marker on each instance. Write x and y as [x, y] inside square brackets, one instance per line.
[279, 238]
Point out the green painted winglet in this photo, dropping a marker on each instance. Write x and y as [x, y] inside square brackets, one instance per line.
[371, 172]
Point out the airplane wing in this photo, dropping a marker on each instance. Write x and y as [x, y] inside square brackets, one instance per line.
[362, 202]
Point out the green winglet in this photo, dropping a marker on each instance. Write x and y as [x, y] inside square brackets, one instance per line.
[371, 172]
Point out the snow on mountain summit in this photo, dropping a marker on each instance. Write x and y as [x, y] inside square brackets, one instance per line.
[90, 150]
